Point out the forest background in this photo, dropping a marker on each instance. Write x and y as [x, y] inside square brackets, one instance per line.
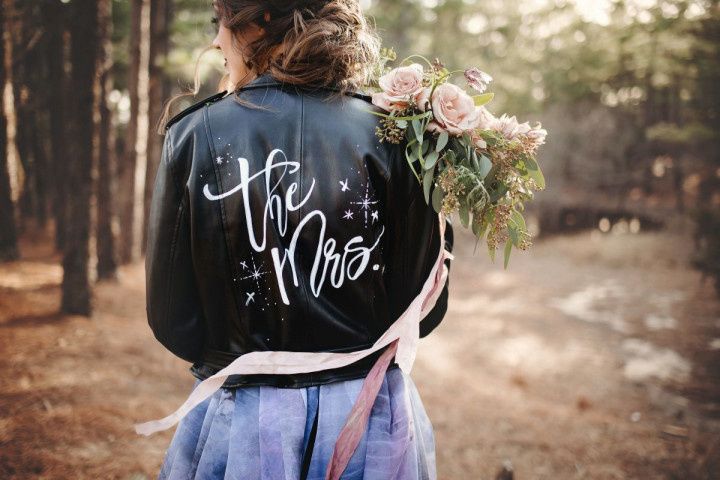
[629, 91]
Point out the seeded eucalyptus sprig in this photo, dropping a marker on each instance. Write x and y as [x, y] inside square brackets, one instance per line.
[481, 166]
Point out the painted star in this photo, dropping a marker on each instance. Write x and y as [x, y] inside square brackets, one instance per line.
[374, 215]
[348, 214]
[250, 296]
[218, 160]
[256, 273]
[365, 202]
[244, 264]
[343, 185]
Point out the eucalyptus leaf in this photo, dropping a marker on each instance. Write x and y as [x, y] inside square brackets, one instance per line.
[485, 166]
[534, 172]
[479, 227]
[417, 128]
[427, 183]
[538, 177]
[476, 228]
[508, 249]
[519, 220]
[513, 233]
[411, 158]
[441, 141]
[481, 100]
[464, 215]
[419, 155]
[431, 159]
[473, 156]
[411, 155]
[425, 146]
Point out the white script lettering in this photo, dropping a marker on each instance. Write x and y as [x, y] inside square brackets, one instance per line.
[350, 261]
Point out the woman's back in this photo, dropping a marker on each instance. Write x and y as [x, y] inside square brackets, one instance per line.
[297, 229]
[284, 229]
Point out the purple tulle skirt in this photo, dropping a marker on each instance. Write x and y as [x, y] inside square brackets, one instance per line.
[275, 433]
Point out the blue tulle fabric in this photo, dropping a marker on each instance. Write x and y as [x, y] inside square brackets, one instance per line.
[263, 432]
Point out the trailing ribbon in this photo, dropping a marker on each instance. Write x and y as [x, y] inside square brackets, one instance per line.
[405, 330]
[355, 425]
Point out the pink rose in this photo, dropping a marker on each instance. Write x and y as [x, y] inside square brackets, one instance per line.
[487, 119]
[399, 85]
[453, 110]
[486, 122]
[510, 128]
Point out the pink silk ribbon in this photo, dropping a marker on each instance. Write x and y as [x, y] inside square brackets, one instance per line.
[355, 425]
[405, 330]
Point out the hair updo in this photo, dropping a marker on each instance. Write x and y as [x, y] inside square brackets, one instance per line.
[328, 43]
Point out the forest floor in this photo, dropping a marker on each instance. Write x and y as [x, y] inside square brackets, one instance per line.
[592, 356]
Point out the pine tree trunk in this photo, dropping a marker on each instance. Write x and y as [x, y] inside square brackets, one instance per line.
[8, 232]
[28, 198]
[133, 171]
[158, 91]
[106, 259]
[126, 168]
[20, 33]
[76, 294]
[54, 21]
[39, 101]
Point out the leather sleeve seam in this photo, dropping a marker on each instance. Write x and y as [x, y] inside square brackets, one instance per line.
[173, 250]
[223, 218]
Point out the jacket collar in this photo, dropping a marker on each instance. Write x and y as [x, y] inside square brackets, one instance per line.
[267, 79]
[263, 80]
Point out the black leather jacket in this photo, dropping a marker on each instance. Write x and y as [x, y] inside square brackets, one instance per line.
[285, 227]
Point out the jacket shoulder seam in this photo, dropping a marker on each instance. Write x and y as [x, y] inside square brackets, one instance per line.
[171, 165]
[194, 107]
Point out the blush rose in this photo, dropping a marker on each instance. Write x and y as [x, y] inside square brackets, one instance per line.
[399, 86]
[454, 111]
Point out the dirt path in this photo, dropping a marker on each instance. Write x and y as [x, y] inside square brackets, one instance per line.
[590, 357]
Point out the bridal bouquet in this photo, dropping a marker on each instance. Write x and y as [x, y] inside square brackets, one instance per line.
[485, 166]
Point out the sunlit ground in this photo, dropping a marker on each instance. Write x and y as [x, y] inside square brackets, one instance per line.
[593, 356]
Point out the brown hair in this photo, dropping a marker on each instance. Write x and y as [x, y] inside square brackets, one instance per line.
[327, 43]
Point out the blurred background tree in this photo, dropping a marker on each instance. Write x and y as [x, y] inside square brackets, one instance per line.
[628, 90]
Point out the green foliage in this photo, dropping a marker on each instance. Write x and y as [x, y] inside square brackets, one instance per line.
[690, 134]
[485, 173]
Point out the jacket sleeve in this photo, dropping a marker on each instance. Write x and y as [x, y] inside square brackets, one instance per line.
[415, 241]
[173, 307]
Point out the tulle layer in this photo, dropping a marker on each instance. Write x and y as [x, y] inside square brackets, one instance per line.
[274, 433]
